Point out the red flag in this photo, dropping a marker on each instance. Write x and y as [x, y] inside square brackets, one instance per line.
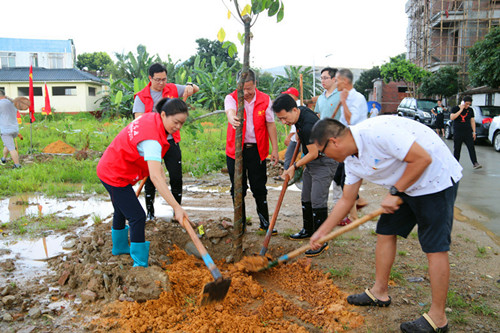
[32, 98]
[19, 118]
[47, 108]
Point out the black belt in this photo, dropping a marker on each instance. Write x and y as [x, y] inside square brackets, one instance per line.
[249, 145]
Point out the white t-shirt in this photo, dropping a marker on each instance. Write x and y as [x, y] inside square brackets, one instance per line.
[356, 103]
[383, 142]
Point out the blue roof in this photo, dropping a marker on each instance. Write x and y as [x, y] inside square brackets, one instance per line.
[21, 74]
[38, 45]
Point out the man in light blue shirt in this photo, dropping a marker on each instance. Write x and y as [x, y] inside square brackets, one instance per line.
[329, 99]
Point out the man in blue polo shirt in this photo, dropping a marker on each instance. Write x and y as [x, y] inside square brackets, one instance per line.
[330, 98]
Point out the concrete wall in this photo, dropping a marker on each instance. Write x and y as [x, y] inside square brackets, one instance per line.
[80, 102]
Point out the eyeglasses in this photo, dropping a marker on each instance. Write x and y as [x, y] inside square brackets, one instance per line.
[325, 78]
[322, 152]
[160, 80]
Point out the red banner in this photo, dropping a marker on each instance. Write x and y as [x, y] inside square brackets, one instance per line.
[32, 98]
[47, 109]
[19, 118]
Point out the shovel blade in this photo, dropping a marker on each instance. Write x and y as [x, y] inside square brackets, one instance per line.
[215, 291]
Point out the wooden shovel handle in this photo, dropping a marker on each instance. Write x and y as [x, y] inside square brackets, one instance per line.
[141, 185]
[278, 204]
[337, 232]
[201, 249]
[336, 110]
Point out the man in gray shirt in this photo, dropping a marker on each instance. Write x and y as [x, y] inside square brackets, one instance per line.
[145, 101]
[9, 129]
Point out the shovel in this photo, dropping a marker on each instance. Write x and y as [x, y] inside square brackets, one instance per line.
[330, 236]
[213, 291]
[282, 195]
[278, 205]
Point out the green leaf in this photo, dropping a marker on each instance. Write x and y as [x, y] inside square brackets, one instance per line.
[281, 13]
[273, 9]
[232, 50]
[221, 35]
[118, 97]
[226, 44]
[241, 38]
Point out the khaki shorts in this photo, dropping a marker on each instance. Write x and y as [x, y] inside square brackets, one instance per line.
[8, 141]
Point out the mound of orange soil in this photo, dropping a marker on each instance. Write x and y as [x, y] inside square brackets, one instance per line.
[59, 147]
[288, 298]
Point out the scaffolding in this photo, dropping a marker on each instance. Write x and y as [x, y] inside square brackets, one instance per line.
[441, 31]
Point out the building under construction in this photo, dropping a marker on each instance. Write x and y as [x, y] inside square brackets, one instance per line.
[440, 31]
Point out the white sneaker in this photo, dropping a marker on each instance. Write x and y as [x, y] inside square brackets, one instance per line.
[477, 166]
[4, 161]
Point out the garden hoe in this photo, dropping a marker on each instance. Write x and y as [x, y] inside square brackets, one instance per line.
[213, 291]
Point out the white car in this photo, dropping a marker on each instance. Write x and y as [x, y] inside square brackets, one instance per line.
[494, 133]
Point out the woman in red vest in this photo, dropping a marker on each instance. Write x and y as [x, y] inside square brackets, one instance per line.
[135, 153]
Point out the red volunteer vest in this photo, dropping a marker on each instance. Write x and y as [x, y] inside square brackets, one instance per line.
[170, 91]
[121, 164]
[259, 122]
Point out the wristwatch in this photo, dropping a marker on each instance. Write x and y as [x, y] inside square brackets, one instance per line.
[394, 191]
[189, 84]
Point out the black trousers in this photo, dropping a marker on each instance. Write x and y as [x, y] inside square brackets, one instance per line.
[460, 137]
[254, 170]
[127, 207]
[173, 162]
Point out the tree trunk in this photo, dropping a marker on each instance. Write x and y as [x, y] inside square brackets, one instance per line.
[238, 168]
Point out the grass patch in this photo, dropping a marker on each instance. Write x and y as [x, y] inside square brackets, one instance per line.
[481, 252]
[413, 235]
[461, 307]
[203, 151]
[34, 225]
[396, 275]
[287, 233]
[340, 273]
[96, 219]
[402, 253]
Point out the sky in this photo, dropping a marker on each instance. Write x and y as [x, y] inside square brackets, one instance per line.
[337, 33]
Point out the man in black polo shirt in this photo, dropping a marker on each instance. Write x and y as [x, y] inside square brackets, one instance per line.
[464, 130]
[318, 174]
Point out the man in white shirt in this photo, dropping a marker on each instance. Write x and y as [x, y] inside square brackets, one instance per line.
[353, 110]
[416, 165]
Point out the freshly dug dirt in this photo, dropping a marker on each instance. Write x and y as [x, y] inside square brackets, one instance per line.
[59, 147]
[291, 298]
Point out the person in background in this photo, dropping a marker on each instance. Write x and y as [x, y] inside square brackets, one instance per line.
[330, 98]
[136, 152]
[258, 129]
[354, 110]
[438, 112]
[464, 130]
[145, 102]
[373, 111]
[9, 129]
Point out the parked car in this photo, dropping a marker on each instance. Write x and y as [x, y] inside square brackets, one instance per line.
[418, 109]
[483, 115]
[494, 133]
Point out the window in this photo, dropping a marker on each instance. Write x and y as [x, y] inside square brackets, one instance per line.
[56, 60]
[91, 91]
[489, 99]
[402, 89]
[64, 91]
[8, 59]
[34, 59]
[25, 91]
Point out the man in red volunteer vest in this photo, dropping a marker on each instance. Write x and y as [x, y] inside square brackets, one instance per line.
[258, 129]
[144, 102]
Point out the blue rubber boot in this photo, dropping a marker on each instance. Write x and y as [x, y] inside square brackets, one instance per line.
[140, 253]
[120, 241]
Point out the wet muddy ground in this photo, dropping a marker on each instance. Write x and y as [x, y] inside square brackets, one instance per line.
[82, 287]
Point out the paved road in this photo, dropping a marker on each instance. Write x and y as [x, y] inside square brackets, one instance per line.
[478, 190]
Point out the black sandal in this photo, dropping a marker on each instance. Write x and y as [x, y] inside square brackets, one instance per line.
[367, 298]
[423, 324]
